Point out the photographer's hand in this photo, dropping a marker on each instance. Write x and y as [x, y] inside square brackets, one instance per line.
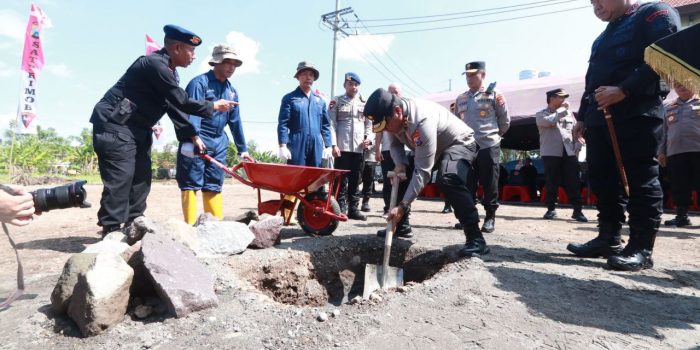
[16, 209]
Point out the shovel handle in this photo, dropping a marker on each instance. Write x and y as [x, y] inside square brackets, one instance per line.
[395, 179]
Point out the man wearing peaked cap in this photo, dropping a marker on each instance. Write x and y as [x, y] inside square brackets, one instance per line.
[485, 111]
[194, 174]
[440, 141]
[350, 137]
[304, 128]
[123, 118]
[559, 151]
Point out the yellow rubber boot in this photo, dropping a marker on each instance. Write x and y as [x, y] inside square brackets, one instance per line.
[189, 206]
[213, 203]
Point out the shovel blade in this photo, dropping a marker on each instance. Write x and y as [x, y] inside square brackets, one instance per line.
[374, 275]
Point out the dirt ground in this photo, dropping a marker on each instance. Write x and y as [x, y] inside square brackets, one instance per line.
[527, 294]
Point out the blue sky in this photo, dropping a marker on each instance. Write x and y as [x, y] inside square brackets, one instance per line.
[91, 43]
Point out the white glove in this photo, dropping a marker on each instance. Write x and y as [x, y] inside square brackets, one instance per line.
[284, 154]
[327, 153]
[187, 149]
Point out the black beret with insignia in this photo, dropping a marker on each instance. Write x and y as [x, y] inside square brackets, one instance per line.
[182, 35]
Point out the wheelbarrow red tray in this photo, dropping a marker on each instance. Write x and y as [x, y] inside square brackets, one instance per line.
[317, 214]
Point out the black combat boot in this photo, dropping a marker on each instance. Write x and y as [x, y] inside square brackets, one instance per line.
[637, 254]
[606, 244]
[355, 214]
[578, 215]
[365, 204]
[475, 245]
[489, 221]
[550, 214]
[109, 229]
[403, 229]
[681, 218]
[447, 209]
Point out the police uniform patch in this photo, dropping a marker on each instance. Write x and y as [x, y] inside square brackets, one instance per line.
[195, 40]
[658, 13]
[332, 104]
[671, 118]
[482, 113]
[416, 138]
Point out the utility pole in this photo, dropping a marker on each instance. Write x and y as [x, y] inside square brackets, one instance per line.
[332, 21]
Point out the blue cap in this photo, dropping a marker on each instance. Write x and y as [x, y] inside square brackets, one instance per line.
[181, 34]
[352, 76]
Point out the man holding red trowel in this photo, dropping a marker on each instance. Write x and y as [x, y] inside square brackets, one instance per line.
[439, 140]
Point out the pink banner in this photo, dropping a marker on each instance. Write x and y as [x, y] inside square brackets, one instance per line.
[151, 45]
[32, 63]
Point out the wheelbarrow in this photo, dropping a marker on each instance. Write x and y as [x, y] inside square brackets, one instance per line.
[318, 213]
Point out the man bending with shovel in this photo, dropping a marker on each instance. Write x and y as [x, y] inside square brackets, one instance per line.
[439, 140]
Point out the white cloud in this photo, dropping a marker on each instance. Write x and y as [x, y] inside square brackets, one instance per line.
[359, 47]
[12, 25]
[60, 70]
[246, 48]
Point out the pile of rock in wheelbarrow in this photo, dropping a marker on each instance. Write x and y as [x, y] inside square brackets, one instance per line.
[153, 268]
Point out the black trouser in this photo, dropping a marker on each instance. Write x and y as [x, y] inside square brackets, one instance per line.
[348, 195]
[485, 172]
[454, 169]
[368, 179]
[562, 170]
[684, 169]
[639, 139]
[124, 159]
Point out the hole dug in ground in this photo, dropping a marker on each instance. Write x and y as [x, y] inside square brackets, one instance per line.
[336, 275]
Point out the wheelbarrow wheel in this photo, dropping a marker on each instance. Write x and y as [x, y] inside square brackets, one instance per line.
[317, 224]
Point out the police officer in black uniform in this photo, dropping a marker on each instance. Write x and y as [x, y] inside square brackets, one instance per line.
[618, 80]
[123, 119]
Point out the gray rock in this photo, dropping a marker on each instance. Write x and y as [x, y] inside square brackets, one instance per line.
[355, 300]
[181, 232]
[108, 246]
[267, 232]
[322, 316]
[335, 313]
[143, 311]
[356, 260]
[180, 281]
[101, 296]
[140, 227]
[245, 218]
[205, 217]
[129, 253]
[223, 238]
[62, 292]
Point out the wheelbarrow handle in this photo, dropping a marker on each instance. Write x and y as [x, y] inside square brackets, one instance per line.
[231, 171]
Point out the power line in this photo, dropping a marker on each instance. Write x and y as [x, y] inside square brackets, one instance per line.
[484, 22]
[470, 16]
[394, 62]
[459, 13]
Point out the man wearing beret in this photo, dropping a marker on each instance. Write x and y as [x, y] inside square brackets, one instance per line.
[304, 129]
[440, 141]
[619, 82]
[123, 119]
[680, 151]
[350, 132]
[486, 112]
[193, 173]
[559, 151]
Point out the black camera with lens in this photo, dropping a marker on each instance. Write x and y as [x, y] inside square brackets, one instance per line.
[60, 197]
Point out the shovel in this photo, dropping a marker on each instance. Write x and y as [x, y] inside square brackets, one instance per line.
[385, 276]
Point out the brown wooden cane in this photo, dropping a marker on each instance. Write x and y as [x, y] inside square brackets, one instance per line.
[616, 150]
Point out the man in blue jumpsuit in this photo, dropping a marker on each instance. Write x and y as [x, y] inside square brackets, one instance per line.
[123, 119]
[194, 174]
[619, 81]
[304, 128]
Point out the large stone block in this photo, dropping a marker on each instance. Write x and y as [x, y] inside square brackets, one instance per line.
[101, 295]
[180, 281]
[266, 231]
[107, 246]
[181, 232]
[223, 238]
[62, 292]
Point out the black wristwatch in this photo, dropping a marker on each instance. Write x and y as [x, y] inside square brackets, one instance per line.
[405, 206]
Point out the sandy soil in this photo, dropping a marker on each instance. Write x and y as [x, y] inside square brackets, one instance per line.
[527, 294]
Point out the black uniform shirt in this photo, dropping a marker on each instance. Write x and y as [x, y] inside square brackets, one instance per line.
[147, 90]
[617, 59]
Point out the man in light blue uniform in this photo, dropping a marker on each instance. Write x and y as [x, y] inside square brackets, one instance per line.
[304, 128]
[194, 174]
